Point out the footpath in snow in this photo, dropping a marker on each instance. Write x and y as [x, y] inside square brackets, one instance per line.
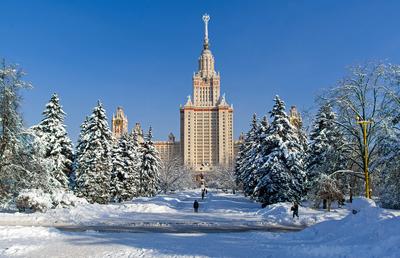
[371, 232]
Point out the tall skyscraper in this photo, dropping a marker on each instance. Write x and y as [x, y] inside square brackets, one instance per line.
[207, 121]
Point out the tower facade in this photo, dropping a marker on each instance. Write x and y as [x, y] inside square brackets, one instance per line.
[119, 123]
[207, 120]
[295, 118]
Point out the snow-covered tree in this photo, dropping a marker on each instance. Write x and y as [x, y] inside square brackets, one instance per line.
[149, 167]
[328, 148]
[296, 120]
[362, 95]
[244, 166]
[118, 171]
[93, 158]
[390, 161]
[19, 157]
[58, 146]
[282, 176]
[389, 151]
[125, 173]
[327, 188]
[222, 178]
[174, 175]
[254, 158]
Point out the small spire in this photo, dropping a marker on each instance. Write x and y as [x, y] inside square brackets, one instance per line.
[206, 18]
[189, 101]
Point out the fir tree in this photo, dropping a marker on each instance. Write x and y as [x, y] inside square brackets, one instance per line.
[93, 159]
[327, 149]
[245, 165]
[282, 176]
[256, 157]
[126, 165]
[118, 171]
[149, 168]
[58, 146]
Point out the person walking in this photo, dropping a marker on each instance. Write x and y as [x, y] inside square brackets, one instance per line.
[196, 206]
[295, 209]
[203, 192]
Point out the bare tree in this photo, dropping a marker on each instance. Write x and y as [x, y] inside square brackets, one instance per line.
[21, 154]
[363, 95]
[175, 176]
[328, 189]
[222, 178]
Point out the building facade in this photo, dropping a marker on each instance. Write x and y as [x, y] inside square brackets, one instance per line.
[206, 123]
[170, 149]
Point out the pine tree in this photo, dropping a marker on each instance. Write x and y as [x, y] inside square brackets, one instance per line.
[133, 164]
[150, 165]
[81, 145]
[126, 165]
[244, 164]
[282, 176]
[58, 146]
[93, 159]
[256, 159]
[327, 149]
[118, 171]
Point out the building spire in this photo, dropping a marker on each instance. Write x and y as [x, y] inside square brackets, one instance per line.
[206, 18]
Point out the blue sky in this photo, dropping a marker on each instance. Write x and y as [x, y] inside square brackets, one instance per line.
[141, 54]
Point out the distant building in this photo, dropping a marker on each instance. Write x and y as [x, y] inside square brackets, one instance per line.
[139, 132]
[237, 144]
[295, 117]
[169, 149]
[207, 121]
[119, 123]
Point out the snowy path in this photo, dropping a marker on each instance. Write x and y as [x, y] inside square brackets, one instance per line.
[180, 228]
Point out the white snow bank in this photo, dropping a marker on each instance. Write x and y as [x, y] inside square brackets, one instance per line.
[20, 232]
[280, 214]
[377, 229]
[20, 241]
[37, 200]
[33, 200]
[66, 199]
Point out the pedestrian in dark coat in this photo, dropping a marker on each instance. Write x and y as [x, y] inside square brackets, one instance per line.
[196, 206]
[295, 209]
[203, 192]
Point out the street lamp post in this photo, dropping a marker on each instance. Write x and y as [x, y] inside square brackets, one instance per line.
[364, 124]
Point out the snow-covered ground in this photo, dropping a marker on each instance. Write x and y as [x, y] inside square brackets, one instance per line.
[372, 232]
[217, 209]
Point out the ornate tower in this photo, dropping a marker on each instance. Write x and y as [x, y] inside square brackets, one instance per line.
[119, 123]
[207, 121]
[295, 118]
